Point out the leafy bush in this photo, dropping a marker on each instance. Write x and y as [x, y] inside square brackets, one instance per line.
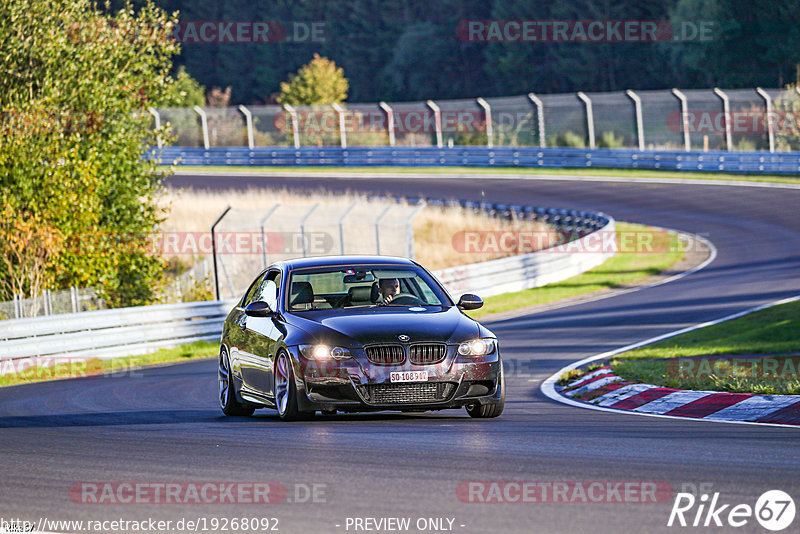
[75, 87]
[568, 138]
[609, 140]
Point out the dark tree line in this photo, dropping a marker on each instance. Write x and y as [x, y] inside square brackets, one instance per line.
[411, 50]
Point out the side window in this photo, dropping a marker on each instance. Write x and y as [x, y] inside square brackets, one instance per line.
[270, 289]
[252, 291]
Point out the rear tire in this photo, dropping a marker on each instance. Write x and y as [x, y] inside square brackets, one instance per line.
[227, 394]
[488, 411]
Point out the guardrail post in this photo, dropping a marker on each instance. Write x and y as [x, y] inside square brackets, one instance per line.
[204, 123]
[726, 112]
[487, 111]
[263, 235]
[157, 117]
[770, 122]
[637, 107]
[295, 126]
[684, 118]
[303, 228]
[342, 133]
[248, 117]
[437, 122]
[589, 117]
[389, 121]
[539, 117]
[377, 229]
[214, 251]
[73, 297]
[341, 226]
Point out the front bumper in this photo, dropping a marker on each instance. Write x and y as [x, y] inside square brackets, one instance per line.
[358, 385]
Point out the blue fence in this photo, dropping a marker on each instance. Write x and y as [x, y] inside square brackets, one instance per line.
[475, 156]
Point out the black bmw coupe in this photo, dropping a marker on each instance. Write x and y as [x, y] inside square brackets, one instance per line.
[352, 334]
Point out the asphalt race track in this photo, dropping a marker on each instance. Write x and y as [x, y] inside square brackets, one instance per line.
[163, 424]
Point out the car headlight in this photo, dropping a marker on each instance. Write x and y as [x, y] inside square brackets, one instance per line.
[476, 347]
[324, 352]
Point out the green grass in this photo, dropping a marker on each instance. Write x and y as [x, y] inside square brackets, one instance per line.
[622, 269]
[193, 351]
[774, 330]
[594, 171]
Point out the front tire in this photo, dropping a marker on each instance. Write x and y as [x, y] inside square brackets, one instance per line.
[488, 411]
[286, 391]
[227, 394]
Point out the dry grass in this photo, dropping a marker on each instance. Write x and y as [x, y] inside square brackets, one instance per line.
[434, 227]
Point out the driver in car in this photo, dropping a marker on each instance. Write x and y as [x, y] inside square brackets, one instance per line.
[387, 289]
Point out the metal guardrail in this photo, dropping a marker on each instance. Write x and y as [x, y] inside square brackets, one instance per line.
[505, 275]
[111, 333]
[711, 161]
[121, 332]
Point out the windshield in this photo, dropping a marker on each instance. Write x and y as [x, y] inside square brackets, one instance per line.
[361, 286]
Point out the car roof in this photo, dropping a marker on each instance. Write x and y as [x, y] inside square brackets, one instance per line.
[344, 261]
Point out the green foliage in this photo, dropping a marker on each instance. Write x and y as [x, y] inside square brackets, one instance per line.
[75, 86]
[186, 92]
[317, 83]
[568, 138]
[609, 140]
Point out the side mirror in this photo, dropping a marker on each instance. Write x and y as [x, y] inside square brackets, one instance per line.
[468, 301]
[258, 308]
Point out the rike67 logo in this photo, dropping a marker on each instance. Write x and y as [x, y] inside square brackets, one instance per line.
[774, 510]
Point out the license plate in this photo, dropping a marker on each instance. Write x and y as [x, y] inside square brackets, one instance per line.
[408, 376]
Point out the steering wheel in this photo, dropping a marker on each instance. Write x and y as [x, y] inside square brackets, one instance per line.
[408, 300]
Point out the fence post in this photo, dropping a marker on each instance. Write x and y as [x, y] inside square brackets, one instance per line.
[637, 107]
[487, 110]
[157, 117]
[684, 118]
[770, 124]
[539, 117]
[248, 117]
[214, 251]
[295, 126]
[389, 121]
[204, 123]
[437, 122]
[17, 306]
[377, 229]
[342, 133]
[341, 226]
[410, 231]
[263, 235]
[47, 303]
[303, 228]
[726, 112]
[589, 117]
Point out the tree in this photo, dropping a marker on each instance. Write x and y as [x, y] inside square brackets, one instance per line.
[186, 92]
[317, 83]
[75, 85]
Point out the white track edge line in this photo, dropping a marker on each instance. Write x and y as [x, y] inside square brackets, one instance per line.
[548, 386]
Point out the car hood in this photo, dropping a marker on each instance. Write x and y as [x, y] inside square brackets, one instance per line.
[361, 326]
